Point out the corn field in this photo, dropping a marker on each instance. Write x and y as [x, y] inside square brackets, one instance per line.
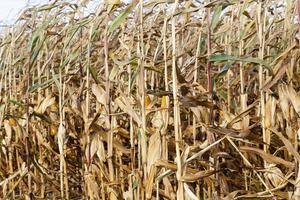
[153, 99]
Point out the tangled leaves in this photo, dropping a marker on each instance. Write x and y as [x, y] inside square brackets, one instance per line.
[151, 99]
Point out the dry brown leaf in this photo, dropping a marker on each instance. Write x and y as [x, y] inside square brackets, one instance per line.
[199, 175]
[294, 98]
[124, 104]
[232, 195]
[273, 80]
[101, 59]
[97, 147]
[103, 137]
[275, 175]
[149, 182]
[287, 144]
[268, 157]
[112, 194]
[92, 186]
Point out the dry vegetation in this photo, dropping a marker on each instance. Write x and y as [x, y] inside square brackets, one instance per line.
[156, 99]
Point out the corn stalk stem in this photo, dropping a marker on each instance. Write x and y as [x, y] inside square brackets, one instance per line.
[209, 67]
[180, 192]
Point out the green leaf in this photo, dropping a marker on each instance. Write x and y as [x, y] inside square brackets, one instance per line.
[35, 38]
[223, 94]
[121, 18]
[35, 87]
[225, 57]
[163, 175]
[132, 61]
[55, 78]
[135, 184]
[41, 85]
[37, 34]
[2, 107]
[152, 68]
[216, 16]
[71, 36]
[114, 72]
[37, 41]
[47, 7]
[16, 102]
[222, 73]
[133, 78]
[36, 52]
[94, 74]
[42, 117]
[69, 59]
[246, 13]
[75, 30]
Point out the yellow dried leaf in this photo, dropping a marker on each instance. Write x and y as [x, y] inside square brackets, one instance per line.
[8, 132]
[92, 186]
[47, 102]
[124, 104]
[101, 151]
[189, 192]
[196, 112]
[60, 137]
[157, 120]
[294, 98]
[12, 122]
[97, 147]
[147, 101]
[112, 194]
[246, 119]
[99, 93]
[149, 182]
[283, 102]
[113, 2]
[53, 130]
[154, 150]
[163, 102]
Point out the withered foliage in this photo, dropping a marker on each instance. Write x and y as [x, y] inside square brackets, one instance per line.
[153, 99]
